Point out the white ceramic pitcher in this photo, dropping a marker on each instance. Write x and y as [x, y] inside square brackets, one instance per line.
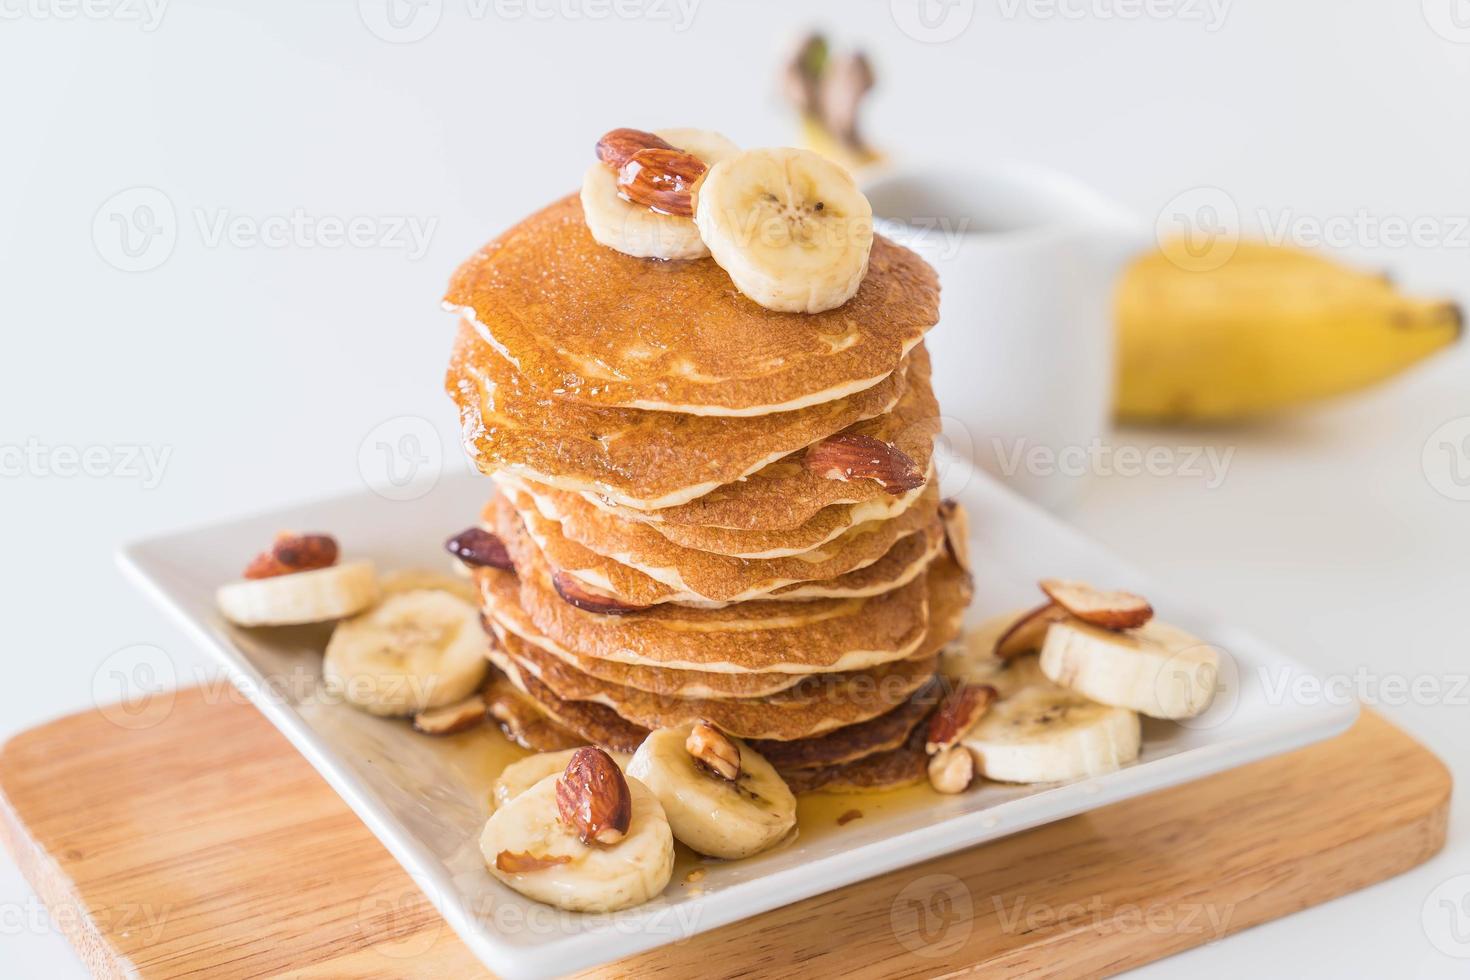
[1029, 261]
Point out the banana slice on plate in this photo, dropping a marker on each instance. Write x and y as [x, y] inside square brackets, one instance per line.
[414, 579]
[316, 596]
[790, 228]
[1156, 669]
[636, 230]
[522, 774]
[418, 649]
[722, 798]
[1039, 732]
[585, 840]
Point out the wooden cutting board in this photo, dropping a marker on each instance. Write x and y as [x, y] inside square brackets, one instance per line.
[206, 846]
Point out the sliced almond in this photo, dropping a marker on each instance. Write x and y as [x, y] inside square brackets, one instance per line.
[956, 533]
[520, 862]
[452, 718]
[713, 750]
[592, 797]
[1110, 610]
[952, 770]
[847, 456]
[957, 714]
[577, 594]
[1027, 634]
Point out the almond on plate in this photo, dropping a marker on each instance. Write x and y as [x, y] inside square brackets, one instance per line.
[1110, 610]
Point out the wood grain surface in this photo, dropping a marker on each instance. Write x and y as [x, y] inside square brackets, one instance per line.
[205, 846]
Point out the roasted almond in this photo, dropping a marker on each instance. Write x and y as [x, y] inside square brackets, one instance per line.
[452, 718]
[712, 749]
[478, 547]
[1110, 610]
[617, 145]
[956, 533]
[592, 797]
[847, 456]
[1027, 634]
[294, 553]
[957, 714]
[577, 594]
[952, 770]
[662, 180]
[519, 862]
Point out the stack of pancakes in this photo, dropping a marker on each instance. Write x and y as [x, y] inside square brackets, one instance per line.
[710, 510]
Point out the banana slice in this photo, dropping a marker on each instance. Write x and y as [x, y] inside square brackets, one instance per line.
[634, 229]
[716, 816]
[521, 775]
[563, 871]
[1041, 733]
[414, 650]
[711, 147]
[789, 226]
[302, 597]
[1157, 669]
[414, 579]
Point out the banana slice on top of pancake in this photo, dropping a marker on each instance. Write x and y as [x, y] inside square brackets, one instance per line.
[416, 649]
[789, 226]
[586, 839]
[722, 798]
[634, 228]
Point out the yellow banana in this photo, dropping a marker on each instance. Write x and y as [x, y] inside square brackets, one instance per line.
[1270, 328]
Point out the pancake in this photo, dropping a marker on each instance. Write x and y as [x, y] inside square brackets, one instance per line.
[590, 324]
[786, 495]
[699, 575]
[638, 458]
[522, 720]
[826, 525]
[765, 636]
[819, 705]
[903, 562]
[882, 734]
[906, 765]
[503, 609]
[596, 724]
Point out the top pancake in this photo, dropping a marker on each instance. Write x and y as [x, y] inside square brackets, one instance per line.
[588, 323]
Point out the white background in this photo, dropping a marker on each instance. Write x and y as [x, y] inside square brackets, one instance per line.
[261, 369]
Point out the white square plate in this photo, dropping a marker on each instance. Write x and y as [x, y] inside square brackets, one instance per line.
[427, 806]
